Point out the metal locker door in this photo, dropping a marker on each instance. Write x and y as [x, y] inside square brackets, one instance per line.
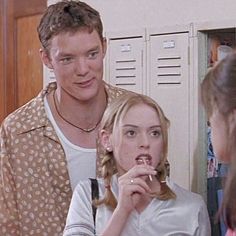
[168, 84]
[126, 63]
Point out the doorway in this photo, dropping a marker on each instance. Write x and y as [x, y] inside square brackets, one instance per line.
[21, 76]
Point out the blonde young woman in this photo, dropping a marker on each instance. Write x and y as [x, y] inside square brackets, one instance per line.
[135, 196]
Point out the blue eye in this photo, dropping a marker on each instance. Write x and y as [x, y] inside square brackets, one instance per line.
[130, 133]
[156, 133]
[66, 60]
[93, 55]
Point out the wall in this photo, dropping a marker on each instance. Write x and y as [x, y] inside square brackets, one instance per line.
[153, 13]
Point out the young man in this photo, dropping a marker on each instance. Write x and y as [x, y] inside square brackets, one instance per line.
[49, 144]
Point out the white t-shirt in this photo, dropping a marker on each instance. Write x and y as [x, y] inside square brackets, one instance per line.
[186, 215]
[81, 162]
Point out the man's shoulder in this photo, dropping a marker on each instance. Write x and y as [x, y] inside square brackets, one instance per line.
[31, 111]
[114, 91]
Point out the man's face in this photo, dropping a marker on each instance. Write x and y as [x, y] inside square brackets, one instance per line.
[77, 62]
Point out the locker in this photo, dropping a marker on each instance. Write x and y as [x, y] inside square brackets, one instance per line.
[168, 84]
[125, 63]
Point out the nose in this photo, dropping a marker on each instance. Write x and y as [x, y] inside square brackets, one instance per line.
[144, 141]
[81, 67]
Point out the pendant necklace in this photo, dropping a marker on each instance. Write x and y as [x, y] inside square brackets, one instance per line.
[67, 121]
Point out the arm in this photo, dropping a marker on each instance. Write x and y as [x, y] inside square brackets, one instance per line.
[129, 197]
[203, 221]
[117, 222]
[80, 218]
[9, 220]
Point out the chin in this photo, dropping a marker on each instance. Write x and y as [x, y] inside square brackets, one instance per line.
[222, 157]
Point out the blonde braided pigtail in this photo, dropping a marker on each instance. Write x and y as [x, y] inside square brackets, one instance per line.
[165, 191]
[108, 169]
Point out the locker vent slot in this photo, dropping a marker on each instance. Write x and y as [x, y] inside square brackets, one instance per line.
[125, 76]
[169, 66]
[168, 58]
[169, 70]
[169, 74]
[126, 68]
[124, 61]
[125, 72]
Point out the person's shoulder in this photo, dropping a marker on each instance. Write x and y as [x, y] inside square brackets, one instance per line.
[185, 195]
[188, 201]
[84, 187]
[24, 113]
[85, 184]
[230, 233]
[114, 91]
[21, 111]
[36, 103]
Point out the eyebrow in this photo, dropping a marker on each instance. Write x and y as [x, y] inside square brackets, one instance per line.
[94, 48]
[65, 54]
[135, 126]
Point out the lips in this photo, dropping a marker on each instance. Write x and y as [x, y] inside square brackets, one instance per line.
[143, 159]
[85, 84]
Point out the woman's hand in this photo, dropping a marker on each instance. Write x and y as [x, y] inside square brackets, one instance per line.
[132, 185]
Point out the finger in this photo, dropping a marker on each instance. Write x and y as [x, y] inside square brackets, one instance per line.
[138, 182]
[130, 190]
[141, 170]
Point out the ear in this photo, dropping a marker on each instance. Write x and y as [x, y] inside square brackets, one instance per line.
[105, 138]
[104, 46]
[45, 58]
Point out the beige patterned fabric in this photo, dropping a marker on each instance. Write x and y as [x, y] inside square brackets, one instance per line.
[35, 190]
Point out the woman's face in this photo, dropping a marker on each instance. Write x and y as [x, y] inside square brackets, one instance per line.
[138, 136]
[219, 136]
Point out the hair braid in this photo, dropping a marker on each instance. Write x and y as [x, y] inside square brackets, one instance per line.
[108, 169]
[165, 192]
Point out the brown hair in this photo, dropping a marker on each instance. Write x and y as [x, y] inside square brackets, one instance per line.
[218, 92]
[112, 116]
[68, 16]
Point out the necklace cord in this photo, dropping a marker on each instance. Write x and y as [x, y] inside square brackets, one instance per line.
[67, 121]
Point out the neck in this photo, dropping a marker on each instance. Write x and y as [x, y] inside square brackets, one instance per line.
[78, 114]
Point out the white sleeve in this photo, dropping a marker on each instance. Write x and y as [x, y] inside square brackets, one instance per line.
[80, 216]
[204, 221]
